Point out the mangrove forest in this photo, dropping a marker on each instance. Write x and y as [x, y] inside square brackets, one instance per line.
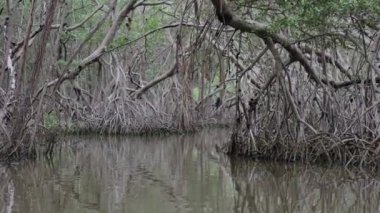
[210, 105]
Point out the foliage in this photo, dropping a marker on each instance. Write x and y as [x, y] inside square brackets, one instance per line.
[320, 15]
[50, 121]
[196, 93]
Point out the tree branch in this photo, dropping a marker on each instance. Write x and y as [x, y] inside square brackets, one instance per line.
[155, 81]
[228, 18]
[329, 59]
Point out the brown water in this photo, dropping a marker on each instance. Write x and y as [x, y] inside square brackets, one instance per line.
[177, 174]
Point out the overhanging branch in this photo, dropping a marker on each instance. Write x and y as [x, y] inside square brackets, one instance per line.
[228, 18]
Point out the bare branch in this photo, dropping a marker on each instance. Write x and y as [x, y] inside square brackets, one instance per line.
[279, 67]
[145, 4]
[155, 81]
[329, 59]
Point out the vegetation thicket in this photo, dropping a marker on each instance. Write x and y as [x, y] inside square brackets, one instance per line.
[298, 80]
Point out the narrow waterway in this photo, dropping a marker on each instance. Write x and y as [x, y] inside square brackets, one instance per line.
[181, 173]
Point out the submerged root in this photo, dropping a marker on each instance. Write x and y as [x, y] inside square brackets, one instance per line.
[18, 150]
[130, 116]
[320, 148]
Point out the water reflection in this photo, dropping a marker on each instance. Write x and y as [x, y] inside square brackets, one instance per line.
[176, 174]
[273, 187]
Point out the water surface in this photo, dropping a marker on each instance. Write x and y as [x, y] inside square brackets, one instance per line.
[181, 173]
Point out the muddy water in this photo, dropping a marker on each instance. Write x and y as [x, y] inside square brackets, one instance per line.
[177, 174]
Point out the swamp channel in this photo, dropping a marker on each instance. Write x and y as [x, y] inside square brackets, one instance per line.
[177, 173]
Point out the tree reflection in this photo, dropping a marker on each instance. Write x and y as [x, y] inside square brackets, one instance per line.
[180, 173]
[274, 187]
